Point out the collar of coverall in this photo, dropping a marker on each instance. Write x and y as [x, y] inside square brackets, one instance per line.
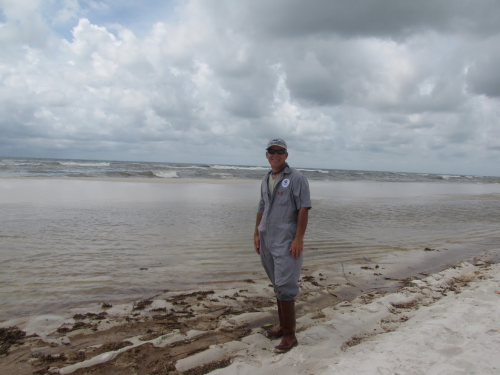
[284, 169]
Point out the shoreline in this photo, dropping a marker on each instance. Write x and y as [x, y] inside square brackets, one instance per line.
[199, 330]
[79, 189]
[350, 278]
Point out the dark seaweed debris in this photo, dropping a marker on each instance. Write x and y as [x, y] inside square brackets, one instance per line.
[141, 305]
[8, 337]
[101, 316]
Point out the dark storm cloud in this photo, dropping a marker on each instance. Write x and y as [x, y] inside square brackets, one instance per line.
[361, 18]
[483, 76]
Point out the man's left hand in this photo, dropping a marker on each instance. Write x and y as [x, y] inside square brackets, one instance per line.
[297, 247]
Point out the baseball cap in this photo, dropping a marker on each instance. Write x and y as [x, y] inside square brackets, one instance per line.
[277, 142]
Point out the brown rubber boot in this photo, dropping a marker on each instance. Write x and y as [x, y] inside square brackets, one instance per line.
[288, 325]
[277, 331]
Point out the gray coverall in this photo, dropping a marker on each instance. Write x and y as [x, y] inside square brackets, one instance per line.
[277, 230]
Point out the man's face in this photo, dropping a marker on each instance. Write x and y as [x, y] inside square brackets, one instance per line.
[276, 160]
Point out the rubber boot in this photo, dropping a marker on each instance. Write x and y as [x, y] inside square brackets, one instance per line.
[276, 332]
[288, 325]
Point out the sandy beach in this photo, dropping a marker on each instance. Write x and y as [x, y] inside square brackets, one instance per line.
[444, 323]
[116, 277]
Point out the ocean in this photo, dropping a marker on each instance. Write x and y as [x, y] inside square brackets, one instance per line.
[49, 168]
[80, 232]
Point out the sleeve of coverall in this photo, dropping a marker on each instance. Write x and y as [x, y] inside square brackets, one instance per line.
[301, 193]
[261, 203]
[261, 206]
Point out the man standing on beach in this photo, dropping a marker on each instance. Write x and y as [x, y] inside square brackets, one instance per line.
[279, 236]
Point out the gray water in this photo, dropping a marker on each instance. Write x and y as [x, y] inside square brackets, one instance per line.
[67, 243]
[49, 168]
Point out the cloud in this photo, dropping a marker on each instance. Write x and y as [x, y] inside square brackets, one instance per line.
[22, 24]
[483, 77]
[385, 85]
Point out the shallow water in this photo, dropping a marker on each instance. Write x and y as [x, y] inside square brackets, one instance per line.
[67, 243]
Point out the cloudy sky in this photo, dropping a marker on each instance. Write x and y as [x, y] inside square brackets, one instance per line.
[361, 84]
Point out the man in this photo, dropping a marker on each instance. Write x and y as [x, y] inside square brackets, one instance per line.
[279, 236]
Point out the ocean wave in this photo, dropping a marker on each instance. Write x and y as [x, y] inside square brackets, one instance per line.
[154, 170]
[313, 170]
[187, 167]
[23, 164]
[235, 167]
[118, 174]
[77, 164]
[222, 175]
[448, 177]
[28, 165]
[166, 174]
[148, 174]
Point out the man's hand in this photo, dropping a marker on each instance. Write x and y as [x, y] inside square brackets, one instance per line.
[256, 242]
[256, 239]
[298, 242]
[297, 247]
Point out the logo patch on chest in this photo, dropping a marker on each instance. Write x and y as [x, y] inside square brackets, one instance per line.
[280, 193]
[285, 182]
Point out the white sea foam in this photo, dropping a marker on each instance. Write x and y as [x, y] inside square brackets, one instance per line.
[233, 167]
[27, 164]
[447, 177]
[313, 170]
[72, 163]
[166, 174]
[187, 167]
